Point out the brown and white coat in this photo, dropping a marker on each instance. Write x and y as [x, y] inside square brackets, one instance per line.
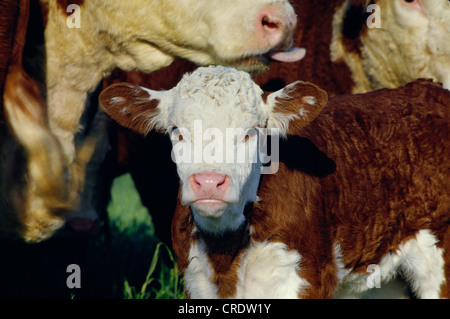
[362, 182]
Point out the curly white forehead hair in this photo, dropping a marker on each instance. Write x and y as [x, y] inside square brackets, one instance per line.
[219, 83]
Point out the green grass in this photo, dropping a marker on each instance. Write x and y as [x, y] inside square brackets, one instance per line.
[128, 262]
[130, 219]
[126, 213]
[168, 279]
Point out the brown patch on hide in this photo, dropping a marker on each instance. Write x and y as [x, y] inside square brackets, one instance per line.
[224, 254]
[223, 251]
[63, 4]
[396, 171]
[9, 11]
[13, 28]
[265, 95]
[130, 106]
[182, 233]
[306, 100]
[385, 188]
[295, 220]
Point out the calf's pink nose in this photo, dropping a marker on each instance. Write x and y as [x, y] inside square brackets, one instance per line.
[209, 185]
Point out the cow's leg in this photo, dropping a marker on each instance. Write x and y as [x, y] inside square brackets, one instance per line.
[423, 264]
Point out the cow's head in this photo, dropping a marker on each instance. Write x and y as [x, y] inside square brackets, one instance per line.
[242, 34]
[213, 116]
[403, 40]
[437, 15]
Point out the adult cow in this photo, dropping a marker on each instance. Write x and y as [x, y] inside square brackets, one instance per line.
[355, 48]
[83, 42]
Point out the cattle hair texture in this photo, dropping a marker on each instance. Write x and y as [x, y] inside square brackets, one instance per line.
[363, 183]
[366, 179]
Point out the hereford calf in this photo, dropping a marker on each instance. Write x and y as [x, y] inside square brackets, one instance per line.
[361, 185]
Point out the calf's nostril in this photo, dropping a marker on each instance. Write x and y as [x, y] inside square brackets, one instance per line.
[208, 181]
[195, 181]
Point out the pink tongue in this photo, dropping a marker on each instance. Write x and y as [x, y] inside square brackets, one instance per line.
[291, 55]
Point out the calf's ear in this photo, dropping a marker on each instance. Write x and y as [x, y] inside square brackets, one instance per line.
[135, 107]
[295, 106]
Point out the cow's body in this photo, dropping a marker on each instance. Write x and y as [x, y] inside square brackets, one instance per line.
[364, 185]
[83, 42]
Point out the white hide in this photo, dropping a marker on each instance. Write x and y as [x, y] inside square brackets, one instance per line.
[418, 259]
[267, 270]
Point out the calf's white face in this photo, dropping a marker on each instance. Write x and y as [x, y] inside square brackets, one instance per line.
[213, 116]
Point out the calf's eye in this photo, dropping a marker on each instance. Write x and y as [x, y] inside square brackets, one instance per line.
[250, 133]
[176, 133]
